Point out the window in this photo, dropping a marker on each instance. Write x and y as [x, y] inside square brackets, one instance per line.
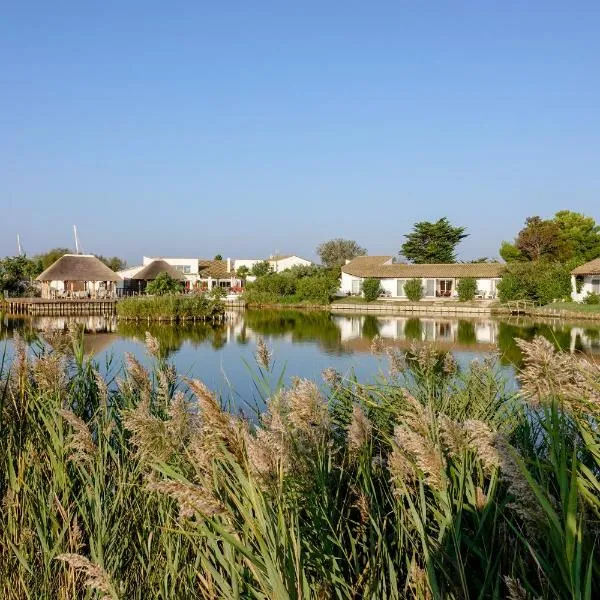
[356, 286]
[596, 286]
[184, 268]
[400, 288]
[430, 288]
[225, 284]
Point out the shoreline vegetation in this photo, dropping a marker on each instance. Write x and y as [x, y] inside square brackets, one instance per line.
[171, 307]
[430, 482]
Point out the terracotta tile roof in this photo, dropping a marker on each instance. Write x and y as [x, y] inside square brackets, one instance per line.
[376, 266]
[589, 268]
[216, 269]
[78, 267]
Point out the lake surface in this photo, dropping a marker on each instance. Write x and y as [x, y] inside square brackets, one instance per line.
[304, 343]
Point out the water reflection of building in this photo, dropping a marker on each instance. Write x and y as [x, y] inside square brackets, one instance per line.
[586, 340]
[418, 329]
[90, 323]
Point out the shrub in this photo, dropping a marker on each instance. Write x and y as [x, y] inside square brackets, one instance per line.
[164, 284]
[466, 289]
[316, 288]
[413, 289]
[539, 281]
[371, 289]
[592, 298]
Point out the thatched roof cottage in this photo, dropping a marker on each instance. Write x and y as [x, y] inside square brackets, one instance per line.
[78, 276]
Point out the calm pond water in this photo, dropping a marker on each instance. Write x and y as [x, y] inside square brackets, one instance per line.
[304, 343]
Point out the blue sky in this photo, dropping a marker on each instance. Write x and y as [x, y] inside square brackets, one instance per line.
[244, 128]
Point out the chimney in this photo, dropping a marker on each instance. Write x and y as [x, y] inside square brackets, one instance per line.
[229, 265]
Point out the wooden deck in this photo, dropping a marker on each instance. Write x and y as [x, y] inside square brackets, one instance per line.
[58, 307]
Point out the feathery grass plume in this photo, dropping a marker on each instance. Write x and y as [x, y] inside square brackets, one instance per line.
[307, 409]
[453, 437]
[139, 379]
[19, 373]
[482, 440]
[515, 590]
[80, 442]
[152, 345]
[421, 451]
[417, 582]
[102, 388]
[218, 430]
[49, 373]
[359, 431]
[268, 449]
[549, 374]
[331, 377]
[192, 500]
[525, 503]
[377, 346]
[96, 577]
[480, 498]
[449, 366]
[149, 434]
[263, 354]
[426, 356]
[397, 361]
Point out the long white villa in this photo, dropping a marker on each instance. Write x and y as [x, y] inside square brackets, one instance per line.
[439, 280]
[585, 280]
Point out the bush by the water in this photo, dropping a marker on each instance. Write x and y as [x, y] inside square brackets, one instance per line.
[466, 288]
[413, 289]
[371, 288]
[164, 284]
[539, 281]
[592, 298]
[175, 307]
[298, 284]
[442, 484]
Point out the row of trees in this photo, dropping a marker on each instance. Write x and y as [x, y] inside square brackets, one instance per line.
[428, 242]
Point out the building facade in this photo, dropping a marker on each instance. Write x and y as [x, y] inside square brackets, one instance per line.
[439, 281]
[585, 280]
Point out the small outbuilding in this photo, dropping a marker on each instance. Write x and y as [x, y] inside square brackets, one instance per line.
[585, 280]
[138, 281]
[78, 276]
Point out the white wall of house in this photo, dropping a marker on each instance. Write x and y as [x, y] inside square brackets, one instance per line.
[394, 288]
[188, 266]
[288, 262]
[591, 283]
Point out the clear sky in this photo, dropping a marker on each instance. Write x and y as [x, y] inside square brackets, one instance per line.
[245, 128]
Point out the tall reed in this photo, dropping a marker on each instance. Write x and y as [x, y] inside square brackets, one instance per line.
[430, 482]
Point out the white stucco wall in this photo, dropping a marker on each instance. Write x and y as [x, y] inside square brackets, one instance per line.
[487, 286]
[591, 283]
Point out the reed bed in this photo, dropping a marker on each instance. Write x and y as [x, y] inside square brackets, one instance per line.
[171, 308]
[431, 482]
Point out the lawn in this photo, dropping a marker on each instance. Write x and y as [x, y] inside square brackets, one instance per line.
[574, 306]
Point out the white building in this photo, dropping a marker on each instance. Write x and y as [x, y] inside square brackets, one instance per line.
[585, 280]
[277, 262]
[439, 280]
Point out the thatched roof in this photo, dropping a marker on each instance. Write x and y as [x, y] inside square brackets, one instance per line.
[78, 267]
[380, 267]
[589, 268]
[155, 268]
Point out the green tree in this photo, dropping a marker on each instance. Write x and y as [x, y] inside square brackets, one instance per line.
[539, 281]
[164, 284]
[433, 242]
[371, 289]
[541, 238]
[16, 275]
[580, 235]
[219, 257]
[261, 268]
[114, 262]
[243, 272]
[50, 257]
[336, 252]
[510, 253]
